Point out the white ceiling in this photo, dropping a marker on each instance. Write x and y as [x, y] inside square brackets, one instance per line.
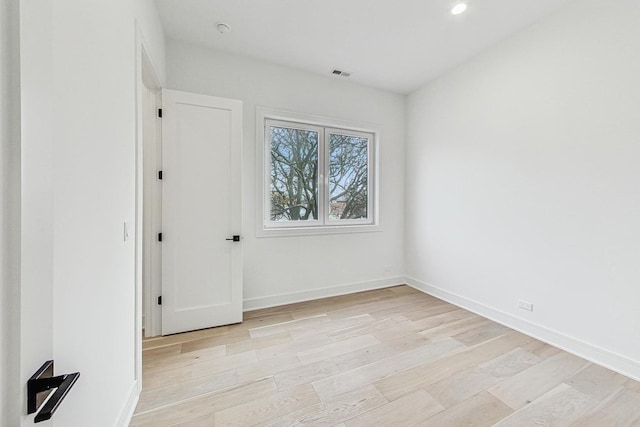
[391, 44]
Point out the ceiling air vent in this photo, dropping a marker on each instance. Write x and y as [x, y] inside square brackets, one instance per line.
[340, 73]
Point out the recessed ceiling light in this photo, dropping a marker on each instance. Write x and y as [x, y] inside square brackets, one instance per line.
[459, 8]
[223, 28]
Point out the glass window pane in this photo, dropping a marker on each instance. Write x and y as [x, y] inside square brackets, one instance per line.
[294, 174]
[348, 177]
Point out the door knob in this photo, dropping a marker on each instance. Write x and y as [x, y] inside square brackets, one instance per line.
[235, 238]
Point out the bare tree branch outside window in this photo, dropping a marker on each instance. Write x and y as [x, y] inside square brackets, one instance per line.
[348, 177]
[294, 174]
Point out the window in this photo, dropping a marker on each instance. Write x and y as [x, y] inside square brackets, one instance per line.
[317, 178]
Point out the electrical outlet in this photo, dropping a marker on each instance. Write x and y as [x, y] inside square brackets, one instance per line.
[525, 305]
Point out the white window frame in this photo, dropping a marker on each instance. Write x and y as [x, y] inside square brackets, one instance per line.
[325, 126]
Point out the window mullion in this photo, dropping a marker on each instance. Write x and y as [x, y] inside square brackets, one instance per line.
[322, 177]
[325, 184]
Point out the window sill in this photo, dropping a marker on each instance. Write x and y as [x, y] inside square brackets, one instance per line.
[317, 231]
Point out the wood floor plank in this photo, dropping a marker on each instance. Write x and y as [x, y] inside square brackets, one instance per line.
[161, 352]
[386, 324]
[405, 290]
[454, 328]
[429, 310]
[426, 307]
[268, 407]
[632, 385]
[266, 368]
[559, 407]
[433, 371]
[396, 332]
[350, 304]
[366, 307]
[196, 370]
[481, 410]
[333, 326]
[597, 381]
[526, 386]
[382, 350]
[157, 342]
[158, 364]
[509, 364]
[259, 342]
[461, 386]
[208, 420]
[307, 322]
[306, 373]
[406, 411]
[182, 390]
[205, 405]
[442, 319]
[337, 348]
[342, 302]
[293, 347]
[621, 410]
[263, 320]
[331, 412]
[225, 339]
[376, 371]
[541, 349]
[481, 333]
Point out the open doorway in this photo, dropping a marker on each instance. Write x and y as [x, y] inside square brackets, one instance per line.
[198, 138]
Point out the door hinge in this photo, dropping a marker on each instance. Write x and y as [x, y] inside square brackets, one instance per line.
[159, 237]
[160, 112]
[160, 300]
[160, 175]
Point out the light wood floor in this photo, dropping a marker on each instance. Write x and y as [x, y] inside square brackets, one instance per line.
[393, 357]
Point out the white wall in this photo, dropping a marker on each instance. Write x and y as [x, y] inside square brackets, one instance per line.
[290, 265]
[523, 181]
[9, 211]
[36, 191]
[78, 75]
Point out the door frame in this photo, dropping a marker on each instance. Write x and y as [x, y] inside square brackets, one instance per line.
[146, 72]
[151, 214]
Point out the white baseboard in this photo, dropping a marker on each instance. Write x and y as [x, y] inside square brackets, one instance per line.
[293, 297]
[590, 352]
[129, 407]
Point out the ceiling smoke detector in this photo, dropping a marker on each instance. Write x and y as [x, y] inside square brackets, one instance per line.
[223, 28]
[340, 73]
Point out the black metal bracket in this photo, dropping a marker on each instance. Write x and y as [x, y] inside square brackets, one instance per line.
[41, 384]
[235, 238]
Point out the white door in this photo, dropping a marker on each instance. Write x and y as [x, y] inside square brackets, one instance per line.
[201, 211]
